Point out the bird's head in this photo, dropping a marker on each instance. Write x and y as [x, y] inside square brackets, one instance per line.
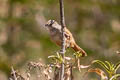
[50, 23]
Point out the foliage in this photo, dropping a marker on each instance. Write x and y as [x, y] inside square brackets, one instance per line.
[109, 67]
[44, 71]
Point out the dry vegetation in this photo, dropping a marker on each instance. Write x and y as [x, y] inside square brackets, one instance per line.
[52, 71]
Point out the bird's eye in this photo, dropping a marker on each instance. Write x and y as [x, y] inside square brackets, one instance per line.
[52, 21]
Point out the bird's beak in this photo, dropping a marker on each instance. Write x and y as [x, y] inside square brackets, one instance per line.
[46, 25]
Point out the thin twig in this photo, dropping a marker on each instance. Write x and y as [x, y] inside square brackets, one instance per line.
[62, 52]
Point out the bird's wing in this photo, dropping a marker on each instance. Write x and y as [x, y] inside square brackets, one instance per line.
[67, 34]
[69, 37]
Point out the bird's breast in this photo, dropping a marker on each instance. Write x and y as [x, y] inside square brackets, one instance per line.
[56, 36]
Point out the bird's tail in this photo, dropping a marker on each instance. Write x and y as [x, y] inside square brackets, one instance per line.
[78, 49]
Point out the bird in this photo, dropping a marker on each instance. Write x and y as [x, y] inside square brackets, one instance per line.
[56, 36]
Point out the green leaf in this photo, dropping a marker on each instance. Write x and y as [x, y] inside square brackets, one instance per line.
[77, 54]
[115, 76]
[110, 65]
[53, 57]
[57, 57]
[117, 66]
[102, 64]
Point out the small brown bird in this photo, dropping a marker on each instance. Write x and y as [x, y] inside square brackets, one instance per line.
[56, 36]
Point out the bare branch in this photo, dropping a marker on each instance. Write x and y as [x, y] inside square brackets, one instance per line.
[62, 52]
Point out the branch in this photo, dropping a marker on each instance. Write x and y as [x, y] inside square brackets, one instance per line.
[62, 52]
